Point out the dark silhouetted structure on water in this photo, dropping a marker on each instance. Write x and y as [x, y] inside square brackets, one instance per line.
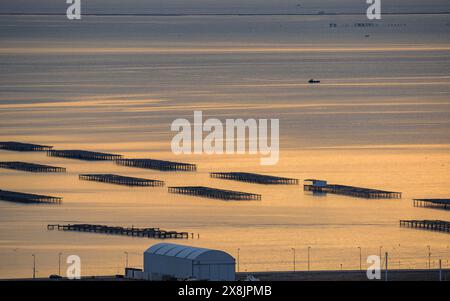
[114, 230]
[83, 155]
[215, 193]
[253, 178]
[31, 167]
[433, 225]
[432, 203]
[28, 198]
[157, 164]
[24, 147]
[322, 186]
[120, 180]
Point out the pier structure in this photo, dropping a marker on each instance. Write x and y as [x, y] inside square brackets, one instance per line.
[83, 155]
[157, 164]
[31, 167]
[253, 178]
[120, 180]
[28, 198]
[322, 186]
[432, 203]
[432, 225]
[215, 193]
[24, 147]
[115, 230]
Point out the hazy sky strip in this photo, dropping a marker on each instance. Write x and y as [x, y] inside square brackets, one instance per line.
[222, 7]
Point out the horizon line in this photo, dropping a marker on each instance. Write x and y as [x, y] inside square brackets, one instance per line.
[223, 14]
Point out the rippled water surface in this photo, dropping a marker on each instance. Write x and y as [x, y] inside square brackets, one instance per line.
[379, 118]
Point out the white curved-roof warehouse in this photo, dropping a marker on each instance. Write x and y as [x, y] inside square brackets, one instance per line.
[166, 259]
[180, 251]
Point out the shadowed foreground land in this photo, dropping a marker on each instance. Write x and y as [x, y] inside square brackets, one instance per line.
[393, 275]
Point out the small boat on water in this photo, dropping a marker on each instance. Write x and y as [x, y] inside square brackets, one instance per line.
[313, 81]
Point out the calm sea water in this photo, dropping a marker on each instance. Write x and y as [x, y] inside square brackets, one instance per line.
[380, 118]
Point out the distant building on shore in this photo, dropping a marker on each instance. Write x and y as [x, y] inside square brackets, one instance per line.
[166, 261]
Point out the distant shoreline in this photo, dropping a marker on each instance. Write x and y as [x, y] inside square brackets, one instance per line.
[219, 14]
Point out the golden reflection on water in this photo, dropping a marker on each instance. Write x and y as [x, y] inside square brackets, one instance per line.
[264, 231]
[380, 118]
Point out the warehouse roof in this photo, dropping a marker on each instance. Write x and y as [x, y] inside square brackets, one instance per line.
[180, 251]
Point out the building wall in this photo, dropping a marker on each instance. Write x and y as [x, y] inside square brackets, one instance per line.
[214, 272]
[161, 265]
[209, 266]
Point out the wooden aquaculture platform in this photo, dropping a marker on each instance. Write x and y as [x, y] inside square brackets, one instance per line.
[31, 167]
[253, 178]
[215, 193]
[83, 155]
[432, 203]
[113, 230]
[433, 225]
[368, 193]
[24, 147]
[157, 164]
[28, 198]
[120, 180]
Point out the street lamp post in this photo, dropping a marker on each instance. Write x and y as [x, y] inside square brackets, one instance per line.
[386, 267]
[381, 257]
[429, 257]
[309, 259]
[293, 250]
[59, 263]
[126, 259]
[34, 266]
[360, 259]
[238, 251]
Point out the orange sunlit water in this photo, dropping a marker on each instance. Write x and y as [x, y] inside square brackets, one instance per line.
[380, 119]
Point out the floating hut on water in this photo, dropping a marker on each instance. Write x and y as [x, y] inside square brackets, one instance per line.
[28, 198]
[433, 225]
[83, 155]
[114, 230]
[157, 164]
[120, 180]
[215, 193]
[31, 167]
[24, 147]
[253, 178]
[432, 203]
[322, 186]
